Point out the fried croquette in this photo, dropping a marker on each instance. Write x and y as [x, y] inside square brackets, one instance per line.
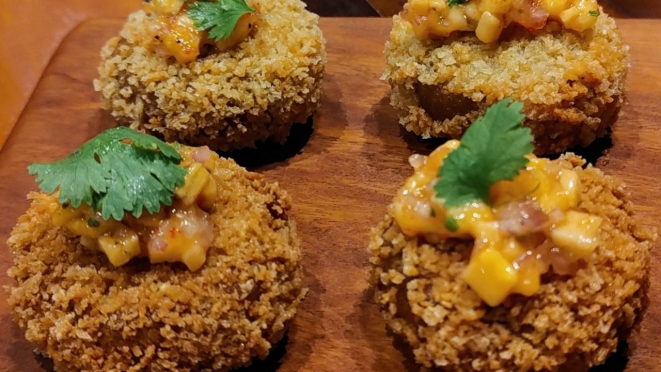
[570, 324]
[88, 315]
[571, 84]
[228, 100]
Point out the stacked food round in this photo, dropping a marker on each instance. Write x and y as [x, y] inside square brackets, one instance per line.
[195, 266]
[447, 62]
[491, 259]
[197, 73]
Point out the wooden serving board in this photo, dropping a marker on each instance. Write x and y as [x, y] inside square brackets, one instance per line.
[341, 173]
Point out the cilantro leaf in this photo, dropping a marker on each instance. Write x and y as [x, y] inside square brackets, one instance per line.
[118, 171]
[493, 149]
[594, 13]
[219, 17]
[456, 2]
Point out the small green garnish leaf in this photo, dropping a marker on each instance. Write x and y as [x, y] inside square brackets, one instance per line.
[118, 171]
[594, 13]
[456, 2]
[451, 224]
[219, 17]
[93, 223]
[493, 149]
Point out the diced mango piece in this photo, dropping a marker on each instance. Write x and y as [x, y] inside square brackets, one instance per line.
[496, 6]
[196, 180]
[242, 30]
[555, 7]
[121, 247]
[529, 280]
[491, 276]
[577, 234]
[182, 38]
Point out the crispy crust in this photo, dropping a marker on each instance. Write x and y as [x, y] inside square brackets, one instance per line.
[571, 84]
[90, 316]
[572, 323]
[227, 101]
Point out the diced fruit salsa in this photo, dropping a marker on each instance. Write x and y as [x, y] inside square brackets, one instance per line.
[523, 227]
[434, 19]
[185, 26]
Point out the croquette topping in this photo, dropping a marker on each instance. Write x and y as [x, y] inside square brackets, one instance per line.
[167, 192]
[433, 19]
[524, 226]
[185, 26]
[178, 233]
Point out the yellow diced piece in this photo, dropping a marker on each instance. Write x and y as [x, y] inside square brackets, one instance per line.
[529, 280]
[438, 5]
[207, 198]
[512, 250]
[80, 227]
[555, 7]
[569, 16]
[457, 19]
[64, 215]
[242, 30]
[182, 38]
[489, 28]
[491, 276]
[419, 6]
[195, 181]
[571, 184]
[121, 248]
[496, 6]
[165, 6]
[194, 257]
[578, 234]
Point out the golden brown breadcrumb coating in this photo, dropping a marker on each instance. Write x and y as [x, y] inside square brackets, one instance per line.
[224, 100]
[571, 84]
[90, 316]
[572, 323]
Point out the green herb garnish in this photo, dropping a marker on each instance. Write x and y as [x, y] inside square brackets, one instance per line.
[594, 13]
[493, 149]
[219, 17]
[93, 223]
[118, 171]
[456, 2]
[451, 224]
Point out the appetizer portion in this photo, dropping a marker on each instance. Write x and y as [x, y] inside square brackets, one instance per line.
[226, 74]
[492, 259]
[144, 256]
[448, 61]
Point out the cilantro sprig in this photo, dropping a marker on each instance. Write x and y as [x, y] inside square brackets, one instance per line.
[493, 149]
[118, 171]
[219, 17]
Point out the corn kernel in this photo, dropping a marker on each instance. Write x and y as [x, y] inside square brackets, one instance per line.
[457, 19]
[569, 16]
[196, 180]
[490, 276]
[166, 7]
[577, 234]
[489, 28]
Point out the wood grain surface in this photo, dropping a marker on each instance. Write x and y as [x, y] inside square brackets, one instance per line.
[341, 172]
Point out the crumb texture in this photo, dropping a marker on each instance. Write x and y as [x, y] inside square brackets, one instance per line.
[227, 100]
[572, 84]
[90, 316]
[571, 324]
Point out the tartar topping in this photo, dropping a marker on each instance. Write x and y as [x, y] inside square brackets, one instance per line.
[182, 232]
[522, 227]
[433, 19]
[183, 27]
